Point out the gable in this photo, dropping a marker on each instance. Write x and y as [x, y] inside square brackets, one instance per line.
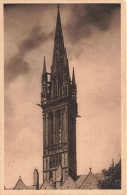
[46, 186]
[69, 184]
[90, 182]
[80, 180]
[20, 185]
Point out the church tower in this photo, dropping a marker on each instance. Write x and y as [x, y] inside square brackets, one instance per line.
[59, 105]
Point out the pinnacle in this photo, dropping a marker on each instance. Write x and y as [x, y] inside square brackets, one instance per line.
[73, 77]
[44, 66]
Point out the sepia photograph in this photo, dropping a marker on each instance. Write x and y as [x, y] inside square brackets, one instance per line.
[62, 96]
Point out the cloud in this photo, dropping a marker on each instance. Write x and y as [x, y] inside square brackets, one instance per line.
[18, 65]
[85, 18]
[89, 16]
[97, 72]
[36, 38]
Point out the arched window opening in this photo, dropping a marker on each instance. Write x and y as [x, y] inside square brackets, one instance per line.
[50, 175]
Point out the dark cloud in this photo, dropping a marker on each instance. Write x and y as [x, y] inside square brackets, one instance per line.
[87, 16]
[35, 39]
[84, 18]
[17, 65]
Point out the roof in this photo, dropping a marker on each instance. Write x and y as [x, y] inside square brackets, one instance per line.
[69, 183]
[20, 185]
[46, 186]
[81, 178]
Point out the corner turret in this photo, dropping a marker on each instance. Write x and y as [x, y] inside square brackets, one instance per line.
[36, 178]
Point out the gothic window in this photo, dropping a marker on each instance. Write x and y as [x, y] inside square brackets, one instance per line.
[46, 163]
[50, 128]
[60, 135]
[59, 122]
[55, 160]
[58, 159]
[58, 127]
[65, 90]
[51, 162]
[50, 175]
[55, 89]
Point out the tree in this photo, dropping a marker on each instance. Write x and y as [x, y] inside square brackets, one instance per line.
[112, 177]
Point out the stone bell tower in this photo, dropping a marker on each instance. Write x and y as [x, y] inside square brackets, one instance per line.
[59, 105]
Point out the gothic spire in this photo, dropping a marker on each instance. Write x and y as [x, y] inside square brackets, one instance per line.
[58, 33]
[57, 64]
[73, 77]
[44, 66]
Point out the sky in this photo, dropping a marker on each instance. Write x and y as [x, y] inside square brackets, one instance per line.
[92, 39]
